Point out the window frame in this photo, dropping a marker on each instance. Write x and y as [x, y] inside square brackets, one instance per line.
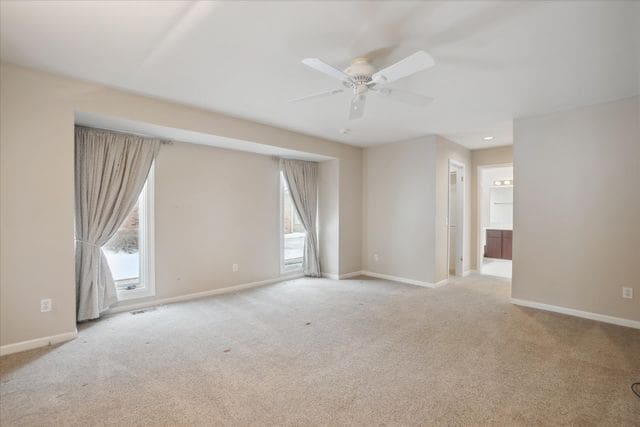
[285, 269]
[146, 243]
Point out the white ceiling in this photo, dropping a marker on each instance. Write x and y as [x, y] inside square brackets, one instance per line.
[495, 61]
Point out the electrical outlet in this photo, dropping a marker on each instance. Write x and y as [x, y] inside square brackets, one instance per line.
[234, 268]
[627, 292]
[45, 305]
[376, 257]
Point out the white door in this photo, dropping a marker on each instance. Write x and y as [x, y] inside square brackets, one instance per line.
[455, 218]
[459, 218]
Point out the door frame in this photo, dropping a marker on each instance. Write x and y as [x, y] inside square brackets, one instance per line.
[478, 219]
[460, 170]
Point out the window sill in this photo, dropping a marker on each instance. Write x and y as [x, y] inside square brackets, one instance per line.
[129, 294]
[296, 268]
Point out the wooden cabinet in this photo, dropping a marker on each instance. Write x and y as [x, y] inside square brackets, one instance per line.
[506, 244]
[498, 244]
[493, 247]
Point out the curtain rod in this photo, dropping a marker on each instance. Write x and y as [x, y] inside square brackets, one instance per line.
[172, 141]
[276, 157]
[162, 141]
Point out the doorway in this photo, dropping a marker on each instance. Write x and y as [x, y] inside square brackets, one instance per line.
[496, 220]
[455, 219]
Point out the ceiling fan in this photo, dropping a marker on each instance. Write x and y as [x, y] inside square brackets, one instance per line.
[362, 77]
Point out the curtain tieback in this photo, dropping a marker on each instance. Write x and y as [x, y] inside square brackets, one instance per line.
[88, 243]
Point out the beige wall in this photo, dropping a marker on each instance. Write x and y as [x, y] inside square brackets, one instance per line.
[484, 157]
[36, 213]
[214, 208]
[350, 203]
[577, 208]
[328, 216]
[36, 199]
[405, 197]
[398, 197]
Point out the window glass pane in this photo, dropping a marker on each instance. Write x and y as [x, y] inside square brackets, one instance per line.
[293, 230]
[123, 252]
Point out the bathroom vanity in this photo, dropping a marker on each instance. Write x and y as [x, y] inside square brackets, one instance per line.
[498, 244]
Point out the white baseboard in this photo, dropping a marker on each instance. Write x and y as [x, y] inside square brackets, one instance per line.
[352, 274]
[38, 342]
[578, 313]
[405, 280]
[196, 295]
[468, 272]
[441, 283]
[342, 276]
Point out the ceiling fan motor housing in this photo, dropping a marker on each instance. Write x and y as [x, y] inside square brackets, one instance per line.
[360, 72]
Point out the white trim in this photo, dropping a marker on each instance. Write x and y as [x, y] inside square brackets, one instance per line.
[280, 219]
[187, 297]
[460, 227]
[293, 268]
[491, 276]
[342, 276]
[350, 275]
[36, 343]
[405, 280]
[441, 283]
[478, 218]
[577, 313]
[290, 269]
[146, 248]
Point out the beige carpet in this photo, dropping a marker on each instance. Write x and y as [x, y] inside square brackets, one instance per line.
[322, 352]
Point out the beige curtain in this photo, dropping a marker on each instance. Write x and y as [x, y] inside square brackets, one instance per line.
[302, 179]
[110, 171]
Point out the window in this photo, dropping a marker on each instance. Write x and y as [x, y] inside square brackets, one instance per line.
[130, 251]
[292, 231]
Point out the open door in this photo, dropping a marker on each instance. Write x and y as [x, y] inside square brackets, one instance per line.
[495, 219]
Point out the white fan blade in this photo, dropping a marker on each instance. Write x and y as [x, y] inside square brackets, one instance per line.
[325, 68]
[317, 95]
[403, 96]
[357, 106]
[419, 61]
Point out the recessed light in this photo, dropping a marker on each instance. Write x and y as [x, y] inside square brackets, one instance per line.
[488, 138]
[345, 131]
